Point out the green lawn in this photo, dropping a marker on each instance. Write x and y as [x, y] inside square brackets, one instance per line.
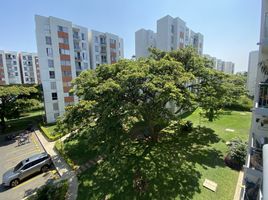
[23, 122]
[174, 168]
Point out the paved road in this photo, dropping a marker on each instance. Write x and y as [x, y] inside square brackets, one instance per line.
[10, 155]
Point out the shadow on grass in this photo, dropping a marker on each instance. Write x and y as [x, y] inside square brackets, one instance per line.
[144, 170]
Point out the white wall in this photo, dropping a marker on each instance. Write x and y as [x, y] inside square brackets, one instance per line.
[252, 71]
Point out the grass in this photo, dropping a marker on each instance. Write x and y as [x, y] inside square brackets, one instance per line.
[174, 168]
[223, 176]
[14, 125]
[49, 131]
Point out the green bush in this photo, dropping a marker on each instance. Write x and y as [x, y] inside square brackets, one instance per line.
[185, 126]
[236, 154]
[49, 132]
[52, 191]
[244, 103]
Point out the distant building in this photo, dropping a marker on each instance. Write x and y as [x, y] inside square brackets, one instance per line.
[105, 48]
[220, 65]
[144, 39]
[252, 71]
[64, 51]
[172, 33]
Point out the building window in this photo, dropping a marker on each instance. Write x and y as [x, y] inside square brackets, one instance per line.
[49, 51]
[67, 84]
[51, 74]
[97, 58]
[56, 115]
[67, 73]
[16, 74]
[97, 48]
[54, 95]
[65, 62]
[103, 59]
[55, 106]
[96, 39]
[14, 62]
[48, 40]
[84, 55]
[83, 36]
[63, 29]
[53, 85]
[64, 52]
[50, 63]
[63, 40]
[84, 46]
[172, 28]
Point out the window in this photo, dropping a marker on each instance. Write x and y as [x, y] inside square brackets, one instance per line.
[172, 28]
[49, 51]
[63, 40]
[27, 166]
[84, 46]
[16, 68]
[84, 55]
[102, 40]
[83, 36]
[55, 106]
[50, 63]
[96, 48]
[47, 29]
[64, 52]
[16, 74]
[65, 62]
[97, 58]
[51, 74]
[24, 57]
[67, 84]
[48, 40]
[54, 96]
[53, 85]
[112, 41]
[103, 59]
[96, 39]
[67, 73]
[14, 62]
[56, 115]
[63, 29]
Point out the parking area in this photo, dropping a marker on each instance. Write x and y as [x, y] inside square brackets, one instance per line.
[11, 154]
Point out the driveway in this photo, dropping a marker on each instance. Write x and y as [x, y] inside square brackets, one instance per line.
[11, 154]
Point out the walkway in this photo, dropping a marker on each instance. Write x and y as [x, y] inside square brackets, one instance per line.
[62, 167]
[239, 186]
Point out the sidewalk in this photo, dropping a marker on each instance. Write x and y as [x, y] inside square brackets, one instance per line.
[238, 186]
[61, 166]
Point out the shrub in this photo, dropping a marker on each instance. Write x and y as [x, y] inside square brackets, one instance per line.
[237, 153]
[244, 103]
[186, 126]
[52, 191]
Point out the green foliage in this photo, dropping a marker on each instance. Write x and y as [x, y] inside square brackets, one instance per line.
[52, 191]
[186, 126]
[238, 151]
[15, 99]
[50, 132]
[244, 103]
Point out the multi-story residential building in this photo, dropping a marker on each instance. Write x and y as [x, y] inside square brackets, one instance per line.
[220, 65]
[256, 168]
[10, 70]
[144, 39]
[30, 72]
[252, 71]
[63, 52]
[105, 48]
[172, 33]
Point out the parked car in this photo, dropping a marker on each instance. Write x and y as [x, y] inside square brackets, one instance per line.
[37, 163]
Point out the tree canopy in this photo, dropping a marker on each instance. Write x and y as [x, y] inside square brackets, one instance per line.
[14, 99]
[120, 95]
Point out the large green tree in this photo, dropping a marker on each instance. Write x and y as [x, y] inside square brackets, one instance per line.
[117, 96]
[14, 99]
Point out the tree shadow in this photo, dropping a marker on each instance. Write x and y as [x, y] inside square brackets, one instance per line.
[146, 170]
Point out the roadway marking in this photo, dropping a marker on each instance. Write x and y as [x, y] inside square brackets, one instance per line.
[30, 180]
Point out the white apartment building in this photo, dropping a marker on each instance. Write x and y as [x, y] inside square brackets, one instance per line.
[29, 68]
[172, 33]
[252, 71]
[255, 182]
[144, 39]
[105, 48]
[220, 65]
[63, 52]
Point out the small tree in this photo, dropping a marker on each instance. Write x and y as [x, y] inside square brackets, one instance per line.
[14, 99]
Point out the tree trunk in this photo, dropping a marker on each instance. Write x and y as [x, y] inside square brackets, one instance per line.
[3, 123]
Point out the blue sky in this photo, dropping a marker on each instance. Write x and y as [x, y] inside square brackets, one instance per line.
[230, 27]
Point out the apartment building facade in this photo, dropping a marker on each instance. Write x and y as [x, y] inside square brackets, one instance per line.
[144, 39]
[255, 180]
[64, 51]
[252, 71]
[29, 65]
[105, 48]
[172, 33]
[220, 65]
